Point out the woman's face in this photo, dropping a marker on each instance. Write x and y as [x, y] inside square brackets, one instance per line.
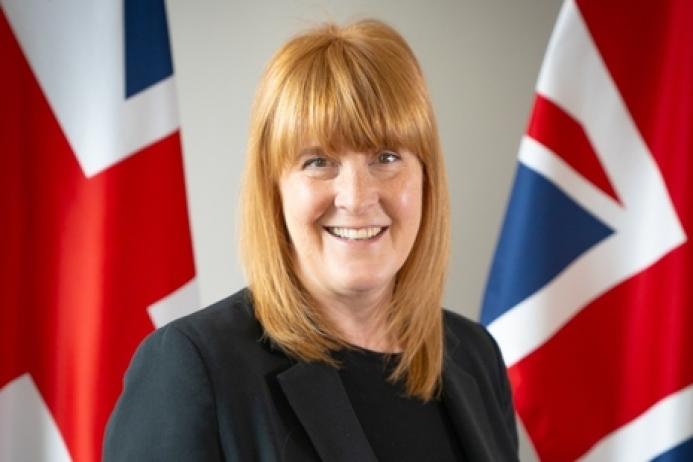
[352, 218]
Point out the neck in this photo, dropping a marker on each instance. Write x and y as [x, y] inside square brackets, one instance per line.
[360, 318]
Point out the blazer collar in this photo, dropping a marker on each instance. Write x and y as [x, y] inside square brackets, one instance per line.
[317, 396]
[465, 406]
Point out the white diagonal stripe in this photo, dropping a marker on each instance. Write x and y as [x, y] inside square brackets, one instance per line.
[663, 426]
[75, 49]
[539, 158]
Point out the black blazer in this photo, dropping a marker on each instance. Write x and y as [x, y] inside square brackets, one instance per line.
[206, 387]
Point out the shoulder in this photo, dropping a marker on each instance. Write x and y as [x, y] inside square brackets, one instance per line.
[168, 407]
[460, 323]
[230, 317]
[471, 347]
[228, 324]
[467, 336]
[223, 335]
[473, 356]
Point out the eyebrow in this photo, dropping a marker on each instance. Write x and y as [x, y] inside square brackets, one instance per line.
[311, 150]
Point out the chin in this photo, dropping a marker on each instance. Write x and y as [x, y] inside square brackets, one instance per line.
[364, 285]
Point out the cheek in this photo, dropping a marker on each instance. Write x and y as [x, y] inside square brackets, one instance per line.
[303, 204]
[410, 201]
[407, 202]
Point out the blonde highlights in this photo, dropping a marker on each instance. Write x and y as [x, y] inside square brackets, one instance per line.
[358, 87]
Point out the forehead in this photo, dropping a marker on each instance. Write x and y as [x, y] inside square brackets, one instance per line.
[345, 136]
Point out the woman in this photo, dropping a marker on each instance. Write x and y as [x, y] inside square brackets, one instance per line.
[339, 350]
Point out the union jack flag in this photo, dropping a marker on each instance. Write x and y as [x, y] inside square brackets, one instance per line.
[590, 294]
[95, 247]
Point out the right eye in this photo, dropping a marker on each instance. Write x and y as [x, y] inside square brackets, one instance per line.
[316, 162]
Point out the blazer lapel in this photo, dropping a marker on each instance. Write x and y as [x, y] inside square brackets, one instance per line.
[464, 404]
[317, 396]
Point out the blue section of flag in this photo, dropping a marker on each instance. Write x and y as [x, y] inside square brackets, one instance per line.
[147, 50]
[681, 453]
[544, 231]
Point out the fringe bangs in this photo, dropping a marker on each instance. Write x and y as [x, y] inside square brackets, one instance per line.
[338, 96]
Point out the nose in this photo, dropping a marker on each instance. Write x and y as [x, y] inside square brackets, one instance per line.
[356, 190]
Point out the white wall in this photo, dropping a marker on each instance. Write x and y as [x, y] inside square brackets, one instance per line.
[481, 59]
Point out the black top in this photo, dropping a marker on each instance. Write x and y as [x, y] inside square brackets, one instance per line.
[210, 387]
[399, 428]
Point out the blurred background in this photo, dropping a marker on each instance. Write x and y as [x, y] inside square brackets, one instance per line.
[110, 229]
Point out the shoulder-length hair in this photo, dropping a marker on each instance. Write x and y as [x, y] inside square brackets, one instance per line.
[359, 87]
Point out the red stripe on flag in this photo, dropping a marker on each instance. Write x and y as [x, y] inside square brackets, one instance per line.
[562, 134]
[82, 258]
[617, 357]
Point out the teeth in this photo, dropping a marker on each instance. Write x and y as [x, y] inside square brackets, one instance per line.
[356, 233]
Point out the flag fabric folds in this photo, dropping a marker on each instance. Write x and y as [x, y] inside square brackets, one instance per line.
[95, 247]
[590, 293]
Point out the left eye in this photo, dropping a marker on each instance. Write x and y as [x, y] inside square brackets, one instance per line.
[388, 157]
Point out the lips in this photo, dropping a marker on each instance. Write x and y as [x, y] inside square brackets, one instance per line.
[356, 234]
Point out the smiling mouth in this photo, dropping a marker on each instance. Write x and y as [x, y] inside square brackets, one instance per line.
[356, 234]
